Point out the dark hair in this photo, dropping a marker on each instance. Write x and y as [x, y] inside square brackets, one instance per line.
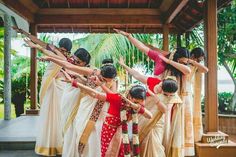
[169, 85]
[83, 55]
[138, 92]
[108, 71]
[197, 53]
[65, 43]
[108, 60]
[179, 53]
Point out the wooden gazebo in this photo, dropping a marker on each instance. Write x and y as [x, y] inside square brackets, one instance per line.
[135, 16]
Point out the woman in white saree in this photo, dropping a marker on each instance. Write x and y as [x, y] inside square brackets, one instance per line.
[83, 126]
[49, 139]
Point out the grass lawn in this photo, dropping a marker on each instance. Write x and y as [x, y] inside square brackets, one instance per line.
[13, 115]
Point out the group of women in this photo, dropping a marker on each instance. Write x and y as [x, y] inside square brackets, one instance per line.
[82, 114]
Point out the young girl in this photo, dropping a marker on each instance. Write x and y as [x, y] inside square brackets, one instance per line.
[111, 144]
[152, 131]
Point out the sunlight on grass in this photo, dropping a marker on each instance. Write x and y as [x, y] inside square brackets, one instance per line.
[13, 115]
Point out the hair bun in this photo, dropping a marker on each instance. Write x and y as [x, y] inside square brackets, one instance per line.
[107, 61]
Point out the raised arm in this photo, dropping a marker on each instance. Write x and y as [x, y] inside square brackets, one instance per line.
[181, 67]
[160, 105]
[81, 70]
[142, 47]
[201, 68]
[93, 93]
[165, 53]
[43, 50]
[138, 76]
[98, 82]
[31, 37]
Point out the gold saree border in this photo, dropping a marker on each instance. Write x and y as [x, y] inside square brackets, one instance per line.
[48, 151]
[48, 82]
[73, 113]
[145, 130]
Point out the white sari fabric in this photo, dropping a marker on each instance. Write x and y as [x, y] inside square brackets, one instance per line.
[151, 144]
[188, 116]
[76, 127]
[49, 136]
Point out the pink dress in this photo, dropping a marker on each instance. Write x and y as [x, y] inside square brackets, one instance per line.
[160, 65]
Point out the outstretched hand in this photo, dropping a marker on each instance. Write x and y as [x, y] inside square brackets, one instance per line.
[121, 32]
[17, 29]
[30, 43]
[44, 58]
[121, 61]
[96, 80]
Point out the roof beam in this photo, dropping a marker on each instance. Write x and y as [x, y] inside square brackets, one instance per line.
[175, 8]
[97, 20]
[20, 9]
[30, 5]
[98, 11]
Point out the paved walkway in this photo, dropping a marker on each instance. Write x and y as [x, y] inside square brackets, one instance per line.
[18, 153]
[22, 128]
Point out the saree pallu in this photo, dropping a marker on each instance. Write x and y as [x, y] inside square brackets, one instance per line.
[49, 137]
[197, 111]
[151, 131]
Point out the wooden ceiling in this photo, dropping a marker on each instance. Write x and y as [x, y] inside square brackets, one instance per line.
[100, 16]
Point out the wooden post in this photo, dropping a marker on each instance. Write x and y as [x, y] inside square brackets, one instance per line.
[33, 76]
[211, 98]
[7, 67]
[165, 38]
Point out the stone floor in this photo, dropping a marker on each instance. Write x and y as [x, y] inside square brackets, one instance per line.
[20, 129]
[20, 133]
[18, 153]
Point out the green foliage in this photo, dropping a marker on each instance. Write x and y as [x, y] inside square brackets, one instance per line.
[114, 46]
[227, 37]
[224, 99]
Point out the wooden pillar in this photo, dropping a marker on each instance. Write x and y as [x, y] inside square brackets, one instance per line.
[211, 98]
[33, 76]
[7, 67]
[165, 38]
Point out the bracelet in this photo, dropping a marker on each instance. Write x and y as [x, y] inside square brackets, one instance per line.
[141, 110]
[74, 84]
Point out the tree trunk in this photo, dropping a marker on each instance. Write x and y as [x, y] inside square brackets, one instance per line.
[233, 99]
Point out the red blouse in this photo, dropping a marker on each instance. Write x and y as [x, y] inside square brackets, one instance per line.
[160, 65]
[115, 104]
[152, 82]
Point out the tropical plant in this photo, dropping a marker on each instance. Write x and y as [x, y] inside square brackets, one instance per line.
[227, 44]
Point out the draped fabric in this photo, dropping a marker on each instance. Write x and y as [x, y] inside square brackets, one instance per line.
[49, 136]
[151, 132]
